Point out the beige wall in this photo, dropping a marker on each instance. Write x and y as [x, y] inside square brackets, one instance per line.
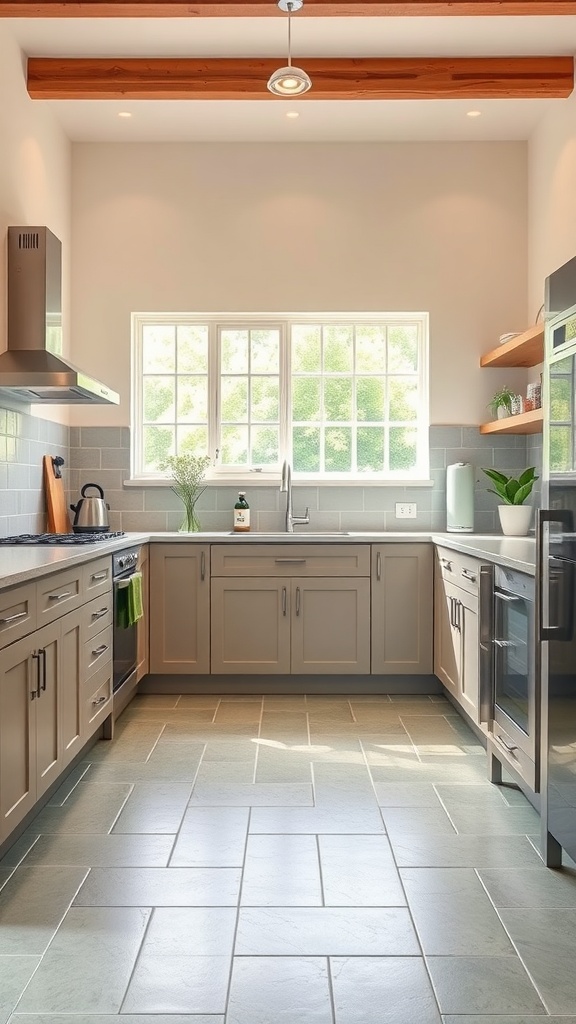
[438, 227]
[552, 196]
[35, 175]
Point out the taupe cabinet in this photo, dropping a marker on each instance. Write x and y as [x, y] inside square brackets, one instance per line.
[291, 609]
[48, 707]
[402, 593]
[180, 608]
[456, 640]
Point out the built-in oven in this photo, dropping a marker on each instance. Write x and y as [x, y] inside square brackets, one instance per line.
[125, 637]
[508, 664]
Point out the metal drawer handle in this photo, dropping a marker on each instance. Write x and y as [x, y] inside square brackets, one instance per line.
[504, 643]
[469, 575]
[378, 565]
[509, 746]
[100, 650]
[446, 564]
[13, 618]
[283, 600]
[99, 613]
[203, 565]
[297, 600]
[100, 700]
[291, 561]
[99, 576]
[59, 597]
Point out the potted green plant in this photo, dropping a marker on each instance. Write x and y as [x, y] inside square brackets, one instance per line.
[501, 402]
[513, 491]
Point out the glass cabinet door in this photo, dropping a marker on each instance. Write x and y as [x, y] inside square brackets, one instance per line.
[512, 657]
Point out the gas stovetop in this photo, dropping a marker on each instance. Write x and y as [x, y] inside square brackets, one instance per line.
[60, 538]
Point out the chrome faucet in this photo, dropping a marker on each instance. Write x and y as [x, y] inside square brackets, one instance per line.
[286, 485]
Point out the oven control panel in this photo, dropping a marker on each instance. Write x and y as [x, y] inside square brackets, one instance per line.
[123, 561]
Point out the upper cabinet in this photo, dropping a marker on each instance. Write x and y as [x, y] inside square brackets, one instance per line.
[526, 349]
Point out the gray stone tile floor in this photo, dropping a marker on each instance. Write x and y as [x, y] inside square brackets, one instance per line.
[285, 860]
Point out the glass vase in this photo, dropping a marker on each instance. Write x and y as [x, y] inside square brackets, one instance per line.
[190, 523]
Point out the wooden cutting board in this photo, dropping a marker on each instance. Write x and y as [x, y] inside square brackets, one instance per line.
[58, 518]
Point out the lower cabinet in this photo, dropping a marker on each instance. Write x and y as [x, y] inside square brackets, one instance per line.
[290, 626]
[180, 608]
[40, 715]
[402, 618]
[456, 650]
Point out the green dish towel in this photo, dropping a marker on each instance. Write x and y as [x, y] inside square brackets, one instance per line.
[129, 606]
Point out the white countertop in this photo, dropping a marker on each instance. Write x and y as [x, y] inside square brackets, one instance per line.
[20, 564]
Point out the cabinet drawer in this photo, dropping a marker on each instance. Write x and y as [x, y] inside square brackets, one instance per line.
[96, 652]
[58, 594]
[17, 613]
[97, 577]
[462, 570]
[290, 559]
[98, 705]
[96, 615]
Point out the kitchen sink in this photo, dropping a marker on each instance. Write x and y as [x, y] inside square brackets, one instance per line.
[292, 536]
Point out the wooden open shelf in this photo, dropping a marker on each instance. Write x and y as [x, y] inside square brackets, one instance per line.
[525, 350]
[525, 423]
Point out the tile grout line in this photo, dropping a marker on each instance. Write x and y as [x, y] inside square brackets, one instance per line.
[255, 772]
[443, 805]
[331, 988]
[53, 936]
[238, 908]
[138, 955]
[513, 944]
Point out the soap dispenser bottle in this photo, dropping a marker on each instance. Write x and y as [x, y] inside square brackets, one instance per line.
[241, 514]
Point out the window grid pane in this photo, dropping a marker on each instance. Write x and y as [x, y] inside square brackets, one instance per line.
[250, 397]
[388, 400]
[343, 398]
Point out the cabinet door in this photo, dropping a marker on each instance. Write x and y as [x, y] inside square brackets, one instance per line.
[179, 608]
[446, 636]
[468, 694]
[17, 735]
[331, 626]
[143, 628]
[48, 745]
[71, 644]
[402, 608]
[251, 626]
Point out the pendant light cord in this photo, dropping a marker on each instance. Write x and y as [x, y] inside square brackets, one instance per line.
[289, 35]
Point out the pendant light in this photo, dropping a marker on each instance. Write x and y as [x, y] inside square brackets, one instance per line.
[290, 80]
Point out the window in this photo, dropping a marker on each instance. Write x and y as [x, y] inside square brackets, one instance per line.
[340, 396]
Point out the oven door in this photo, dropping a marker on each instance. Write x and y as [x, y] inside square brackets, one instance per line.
[514, 668]
[124, 640]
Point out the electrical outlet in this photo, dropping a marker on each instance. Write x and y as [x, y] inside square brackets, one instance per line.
[406, 510]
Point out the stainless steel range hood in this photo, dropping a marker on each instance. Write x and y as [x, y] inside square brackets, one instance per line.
[31, 369]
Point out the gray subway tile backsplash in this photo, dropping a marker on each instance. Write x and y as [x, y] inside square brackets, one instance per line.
[361, 509]
[102, 454]
[24, 440]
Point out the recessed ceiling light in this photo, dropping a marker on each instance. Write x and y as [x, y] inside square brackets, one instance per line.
[124, 113]
[292, 113]
[474, 113]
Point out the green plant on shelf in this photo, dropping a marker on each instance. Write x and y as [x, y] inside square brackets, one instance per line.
[512, 490]
[502, 400]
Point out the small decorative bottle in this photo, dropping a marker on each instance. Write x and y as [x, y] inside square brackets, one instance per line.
[241, 514]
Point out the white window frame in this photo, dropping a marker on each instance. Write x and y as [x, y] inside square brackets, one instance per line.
[283, 321]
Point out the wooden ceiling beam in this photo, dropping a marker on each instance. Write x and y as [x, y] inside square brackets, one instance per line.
[268, 8]
[333, 78]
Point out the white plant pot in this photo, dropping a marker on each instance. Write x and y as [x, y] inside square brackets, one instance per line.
[515, 519]
[502, 413]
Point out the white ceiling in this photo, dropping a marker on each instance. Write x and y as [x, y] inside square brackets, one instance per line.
[324, 121]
